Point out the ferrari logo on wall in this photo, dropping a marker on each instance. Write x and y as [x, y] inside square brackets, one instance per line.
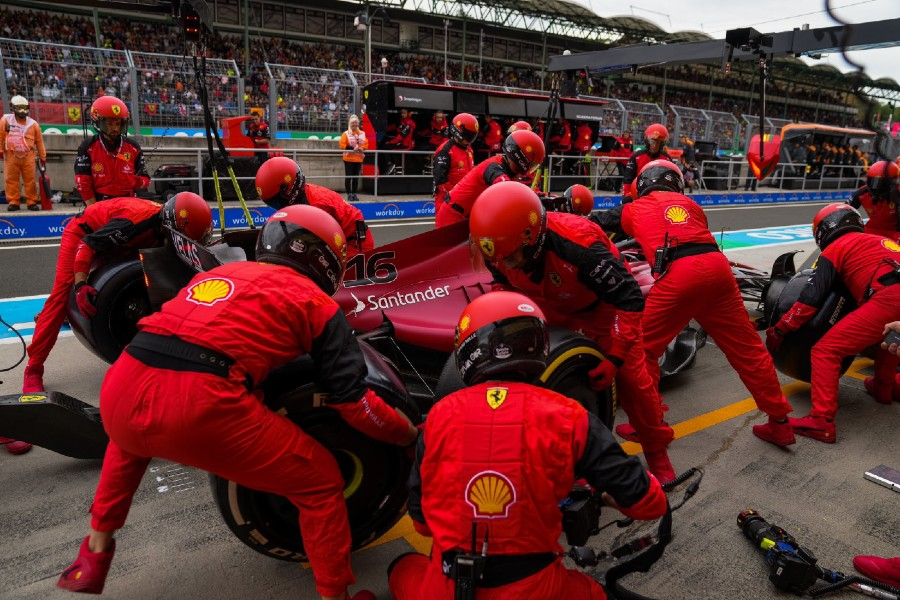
[74, 113]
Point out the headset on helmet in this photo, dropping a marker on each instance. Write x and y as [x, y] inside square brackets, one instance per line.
[280, 182]
[189, 214]
[508, 223]
[308, 240]
[881, 178]
[108, 108]
[579, 200]
[19, 105]
[520, 126]
[656, 135]
[524, 151]
[659, 175]
[464, 128]
[502, 335]
[833, 221]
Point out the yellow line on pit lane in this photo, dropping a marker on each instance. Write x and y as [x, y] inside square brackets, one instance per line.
[404, 528]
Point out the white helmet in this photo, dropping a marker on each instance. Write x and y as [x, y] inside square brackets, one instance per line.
[19, 105]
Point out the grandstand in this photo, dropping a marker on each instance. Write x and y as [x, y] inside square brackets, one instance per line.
[303, 63]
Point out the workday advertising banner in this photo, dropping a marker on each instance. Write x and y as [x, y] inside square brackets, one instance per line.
[36, 226]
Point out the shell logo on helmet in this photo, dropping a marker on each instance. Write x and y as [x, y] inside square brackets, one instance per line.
[210, 291]
[490, 494]
[496, 396]
[676, 215]
[891, 245]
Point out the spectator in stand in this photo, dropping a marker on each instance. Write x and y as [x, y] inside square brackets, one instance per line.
[354, 144]
[109, 164]
[258, 132]
[436, 134]
[22, 142]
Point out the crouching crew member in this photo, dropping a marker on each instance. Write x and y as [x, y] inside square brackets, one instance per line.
[183, 390]
[566, 264]
[869, 267]
[280, 182]
[694, 281]
[496, 459]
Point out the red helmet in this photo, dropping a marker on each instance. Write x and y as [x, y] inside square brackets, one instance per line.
[579, 200]
[524, 151]
[464, 128]
[508, 223]
[280, 182]
[189, 214]
[109, 108]
[655, 138]
[833, 221]
[882, 176]
[308, 240]
[520, 126]
[659, 175]
[501, 334]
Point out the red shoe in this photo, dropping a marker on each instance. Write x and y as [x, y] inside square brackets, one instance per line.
[15, 447]
[780, 434]
[88, 573]
[34, 379]
[882, 570]
[629, 433]
[659, 465]
[363, 595]
[817, 428]
[885, 394]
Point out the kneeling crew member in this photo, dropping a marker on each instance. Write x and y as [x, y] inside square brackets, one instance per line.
[497, 458]
[165, 397]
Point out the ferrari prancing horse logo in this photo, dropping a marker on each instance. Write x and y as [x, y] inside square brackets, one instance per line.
[496, 396]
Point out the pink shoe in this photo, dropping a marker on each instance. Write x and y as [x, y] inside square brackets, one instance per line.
[780, 434]
[88, 573]
[817, 428]
[629, 433]
[882, 393]
[15, 447]
[882, 570]
[660, 466]
[34, 379]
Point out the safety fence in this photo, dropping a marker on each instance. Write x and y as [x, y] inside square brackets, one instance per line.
[722, 128]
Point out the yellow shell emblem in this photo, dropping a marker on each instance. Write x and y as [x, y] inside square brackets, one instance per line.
[183, 213]
[676, 214]
[490, 494]
[532, 218]
[259, 191]
[487, 247]
[210, 291]
[464, 323]
[287, 178]
[496, 396]
[528, 149]
[891, 245]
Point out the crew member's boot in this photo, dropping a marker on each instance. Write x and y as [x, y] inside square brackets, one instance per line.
[777, 431]
[817, 428]
[88, 573]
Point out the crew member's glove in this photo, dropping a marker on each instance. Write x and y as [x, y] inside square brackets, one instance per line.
[603, 375]
[774, 338]
[43, 163]
[85, 296]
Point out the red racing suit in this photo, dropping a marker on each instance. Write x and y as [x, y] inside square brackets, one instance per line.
[492, 136]
[260, 134]
[104, 173]
[882, 213]
[404, 136]
[868, 266]
[460, 199]
[634, 166]
[450, 164]
[348, 216]
[510, 486]
[584, 138]
[436, 134]
[163, 397]
[581, 284]
[698, 284]
[132, 222]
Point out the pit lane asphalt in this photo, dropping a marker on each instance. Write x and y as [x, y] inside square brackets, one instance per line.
[175, 545]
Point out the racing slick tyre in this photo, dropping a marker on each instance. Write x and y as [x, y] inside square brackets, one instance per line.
[374, 473]
[572, 355]
[793, 358]
[121, 302]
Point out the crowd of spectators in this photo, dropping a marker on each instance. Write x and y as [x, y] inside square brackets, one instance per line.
[58, 75]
